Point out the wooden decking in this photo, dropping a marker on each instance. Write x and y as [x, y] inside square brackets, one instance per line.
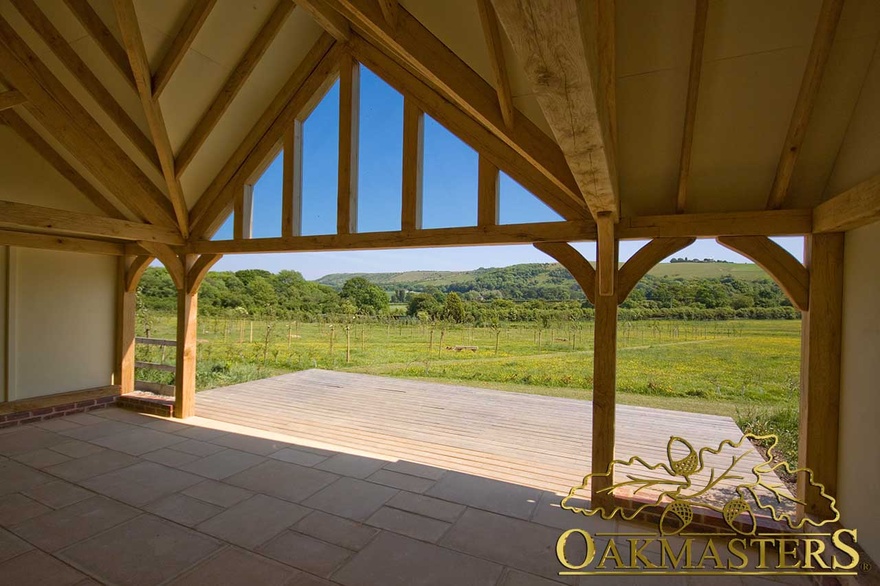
[530, 440]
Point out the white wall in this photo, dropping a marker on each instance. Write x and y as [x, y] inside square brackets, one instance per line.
[61, 322]
[859, 450]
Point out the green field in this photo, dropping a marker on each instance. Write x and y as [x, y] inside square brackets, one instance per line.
[744, 369]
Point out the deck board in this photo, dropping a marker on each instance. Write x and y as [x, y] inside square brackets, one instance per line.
[532, 440]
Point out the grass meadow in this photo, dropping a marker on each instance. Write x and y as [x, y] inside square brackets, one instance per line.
[744, 369]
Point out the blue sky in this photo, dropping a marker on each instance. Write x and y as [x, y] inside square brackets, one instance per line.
[449, 198]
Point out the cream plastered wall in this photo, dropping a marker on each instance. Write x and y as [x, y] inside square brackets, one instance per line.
[57, 309]
[4, 252]
[859, 483]
[61, 312]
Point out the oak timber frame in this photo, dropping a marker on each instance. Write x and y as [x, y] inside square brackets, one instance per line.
[142, 223]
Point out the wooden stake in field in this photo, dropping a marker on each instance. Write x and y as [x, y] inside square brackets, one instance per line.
[347, 344]
[497, 335]
[363, 337]
[332, 337]
[440, 345]
[252, 331]
[288, 336]
[431, 341]
[266, 343]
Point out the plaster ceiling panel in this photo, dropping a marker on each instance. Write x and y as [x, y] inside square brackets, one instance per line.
[70, 82]
[112, 80]
[230, 28]
[293, 42]
[650, 114]
[742, 118]
[859, 156]
[528, 105]
[744, 27]
[25, 177]
[844, 76]
[189, 94]
[163, 16]
[653, 36]
[457, 24]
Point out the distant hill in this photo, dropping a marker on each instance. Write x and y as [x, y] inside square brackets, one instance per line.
[539, 274]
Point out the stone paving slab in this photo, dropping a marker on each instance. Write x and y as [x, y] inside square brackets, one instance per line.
[202, 502]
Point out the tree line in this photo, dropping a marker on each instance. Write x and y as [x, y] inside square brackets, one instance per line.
[510, 294]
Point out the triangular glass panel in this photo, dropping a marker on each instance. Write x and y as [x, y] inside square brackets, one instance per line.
[517, 205]
[380, 155]
[225, 232]
[450, 172]
[320, 164]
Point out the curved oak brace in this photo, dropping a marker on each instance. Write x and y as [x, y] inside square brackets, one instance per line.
[644, 260]
[199, 269]
[791, 276]
[171, 261]
[135, 270]
[579, 267]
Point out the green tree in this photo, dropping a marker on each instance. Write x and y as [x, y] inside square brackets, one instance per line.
[423, 303]
[367, 297]
[453, 308]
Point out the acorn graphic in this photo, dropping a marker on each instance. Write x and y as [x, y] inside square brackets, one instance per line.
[733, 509]
[676, 516]
[687, 465]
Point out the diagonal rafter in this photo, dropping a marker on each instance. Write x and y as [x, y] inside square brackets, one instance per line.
[72, 61]
[823, 39]
[10, 99]
[45, 150]
[690, 111]
[183, 40]
[548, 38]
[134, 44]
[414, 46]
[65, 119]
[330, 20]
[233, 84]
[496, 59]
[108, 44]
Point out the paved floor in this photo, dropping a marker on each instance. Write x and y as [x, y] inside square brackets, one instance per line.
[120, 498]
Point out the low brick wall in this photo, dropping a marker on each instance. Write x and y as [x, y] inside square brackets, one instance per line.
[153, 406]
[51, 412]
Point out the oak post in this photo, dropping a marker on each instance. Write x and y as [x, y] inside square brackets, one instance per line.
[604, 379]
[123, 374]
[821, 332]
[187, 322]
